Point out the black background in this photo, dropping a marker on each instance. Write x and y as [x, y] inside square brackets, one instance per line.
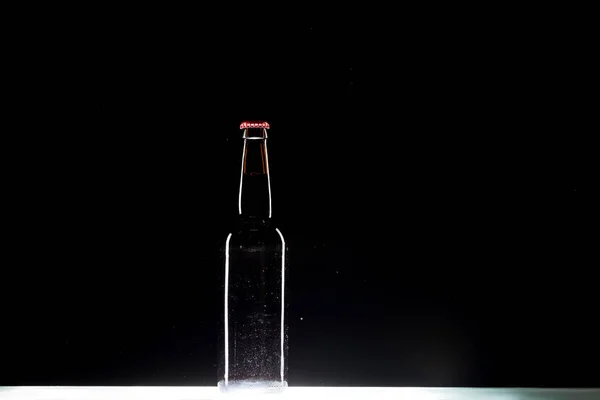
[425, 175]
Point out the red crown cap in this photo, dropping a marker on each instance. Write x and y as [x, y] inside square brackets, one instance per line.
[254, 124]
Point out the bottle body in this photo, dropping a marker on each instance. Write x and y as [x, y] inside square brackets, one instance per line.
[255, 343]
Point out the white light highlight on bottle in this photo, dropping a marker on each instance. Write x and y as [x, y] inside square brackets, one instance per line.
[227, 310]
[268, 173]
[282, 299]
[242, 175]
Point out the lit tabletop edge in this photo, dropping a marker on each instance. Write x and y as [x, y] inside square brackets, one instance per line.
[292, 392]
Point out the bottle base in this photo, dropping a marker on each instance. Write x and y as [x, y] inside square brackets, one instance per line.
[250, 386]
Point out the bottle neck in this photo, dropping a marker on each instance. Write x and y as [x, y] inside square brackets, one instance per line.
[255, 185]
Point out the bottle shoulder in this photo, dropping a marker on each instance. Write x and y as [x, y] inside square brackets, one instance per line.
[249, 233]
[246, 231]
[244, 225]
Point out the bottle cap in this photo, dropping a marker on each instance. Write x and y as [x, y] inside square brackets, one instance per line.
[254, 124]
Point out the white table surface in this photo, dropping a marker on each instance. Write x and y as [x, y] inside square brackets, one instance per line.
[293, 392]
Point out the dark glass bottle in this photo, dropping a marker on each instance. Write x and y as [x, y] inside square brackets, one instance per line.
[254, 336]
